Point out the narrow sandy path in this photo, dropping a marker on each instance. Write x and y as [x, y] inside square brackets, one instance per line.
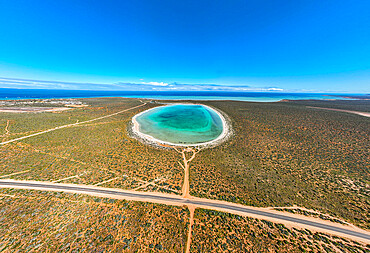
[191, 222]
[15, 173]
[365, 114]
[185, 166]
[67, 178]
[7, 132]
[107, 181]
[146, 184]
[7, 127]
[69, 125]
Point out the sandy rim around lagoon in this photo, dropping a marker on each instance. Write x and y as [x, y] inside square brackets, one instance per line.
[147, 139]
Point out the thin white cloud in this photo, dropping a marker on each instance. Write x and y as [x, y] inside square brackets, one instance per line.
[156, 83]
[275, 89]
[121, 86]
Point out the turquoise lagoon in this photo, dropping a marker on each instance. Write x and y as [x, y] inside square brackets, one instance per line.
[187, 124]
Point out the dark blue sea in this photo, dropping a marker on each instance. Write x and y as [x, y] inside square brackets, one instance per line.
[10, 94]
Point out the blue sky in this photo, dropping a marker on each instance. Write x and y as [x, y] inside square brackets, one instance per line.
[295, 45]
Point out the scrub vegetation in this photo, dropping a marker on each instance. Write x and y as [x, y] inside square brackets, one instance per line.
[58, 222]
[99, 152]
[222, 232]
[362, 105]
[283, 154]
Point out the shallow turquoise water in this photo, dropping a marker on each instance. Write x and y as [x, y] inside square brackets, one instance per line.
[181, 124]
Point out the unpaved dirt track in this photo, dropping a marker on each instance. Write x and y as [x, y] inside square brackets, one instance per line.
[169, 199]
[365, 114]
[7, 127]
[190, 229]
[185, 166]
[69, 125]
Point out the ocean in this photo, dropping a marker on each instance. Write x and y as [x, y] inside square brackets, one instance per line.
[13, 94]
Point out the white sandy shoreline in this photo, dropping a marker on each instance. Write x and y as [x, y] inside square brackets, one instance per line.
[226, 129]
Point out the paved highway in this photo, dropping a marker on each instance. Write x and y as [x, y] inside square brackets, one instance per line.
[196, 202]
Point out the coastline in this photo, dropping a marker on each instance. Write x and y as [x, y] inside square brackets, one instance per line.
[247, 96]
[147, 139]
